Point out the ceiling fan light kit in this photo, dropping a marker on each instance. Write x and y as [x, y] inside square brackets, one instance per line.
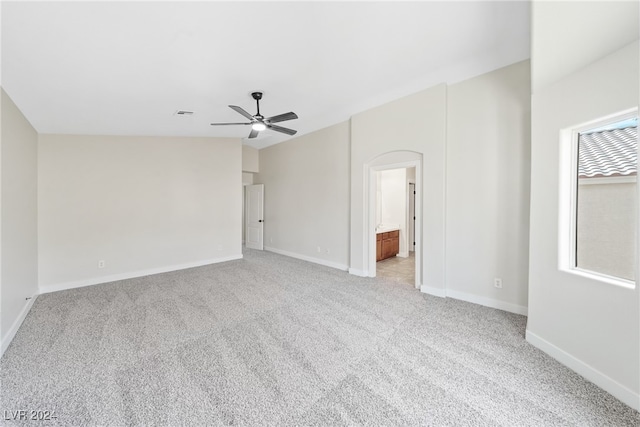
[258, 122]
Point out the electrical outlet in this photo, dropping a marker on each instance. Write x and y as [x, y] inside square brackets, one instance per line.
[101, 264]
[327, 250]
[319, 249]
[497, 282]
[270, 239]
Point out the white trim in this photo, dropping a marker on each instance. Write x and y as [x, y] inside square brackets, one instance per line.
[488, 302]
[45, 289]
[606, 383]
[431, 290]
[357, 272]
[16, 325]
[602, 278]
[596, 125]
[475, 299]
[326, 263]
[568, 192]
[608, 180]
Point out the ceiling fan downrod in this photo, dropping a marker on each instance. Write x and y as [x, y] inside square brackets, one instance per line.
[257, 96]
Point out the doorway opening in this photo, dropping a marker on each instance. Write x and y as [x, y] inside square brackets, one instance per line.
[394, 218]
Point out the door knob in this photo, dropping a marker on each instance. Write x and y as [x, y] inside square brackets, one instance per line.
[259, 220]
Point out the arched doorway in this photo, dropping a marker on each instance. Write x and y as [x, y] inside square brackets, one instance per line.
[385, 162]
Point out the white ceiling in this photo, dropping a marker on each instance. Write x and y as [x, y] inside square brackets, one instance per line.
[124, 68]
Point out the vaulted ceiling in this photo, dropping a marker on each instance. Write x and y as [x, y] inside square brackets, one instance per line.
[125, 68]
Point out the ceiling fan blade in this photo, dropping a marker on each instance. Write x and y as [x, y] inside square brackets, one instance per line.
[241, 111]
[229, 124]
[281, 129]
[253, 133]
[282, 117]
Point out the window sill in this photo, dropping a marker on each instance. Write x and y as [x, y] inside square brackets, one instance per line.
[603, 278]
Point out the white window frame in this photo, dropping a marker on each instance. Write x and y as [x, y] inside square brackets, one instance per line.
[567, 203]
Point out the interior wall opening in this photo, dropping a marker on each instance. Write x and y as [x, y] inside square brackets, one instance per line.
[393, 229]
[395, 224]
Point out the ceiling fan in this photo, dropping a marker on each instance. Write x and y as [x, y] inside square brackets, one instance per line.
[259, 122]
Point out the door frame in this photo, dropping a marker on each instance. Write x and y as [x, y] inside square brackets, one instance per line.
[370, 223]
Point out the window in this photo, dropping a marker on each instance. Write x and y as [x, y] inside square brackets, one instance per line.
[602, 238]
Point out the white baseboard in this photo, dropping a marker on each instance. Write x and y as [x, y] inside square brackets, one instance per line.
[431, 290]
[16, 325]
[606, 383]
[357, 272]
[487, 302]
[326, 263]
[45, 289]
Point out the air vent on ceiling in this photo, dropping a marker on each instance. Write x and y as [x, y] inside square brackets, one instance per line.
[184, 113]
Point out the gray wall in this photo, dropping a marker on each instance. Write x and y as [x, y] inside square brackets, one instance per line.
[488, 158]
[19, 217]
[306, 196]
[141, 204]
[591, 326]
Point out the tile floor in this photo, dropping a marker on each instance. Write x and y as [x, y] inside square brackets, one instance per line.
[399, 269]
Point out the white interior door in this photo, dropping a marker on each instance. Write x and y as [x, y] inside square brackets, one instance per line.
[255, 210]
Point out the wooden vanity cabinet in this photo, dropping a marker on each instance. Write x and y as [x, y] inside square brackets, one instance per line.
[387, 244]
